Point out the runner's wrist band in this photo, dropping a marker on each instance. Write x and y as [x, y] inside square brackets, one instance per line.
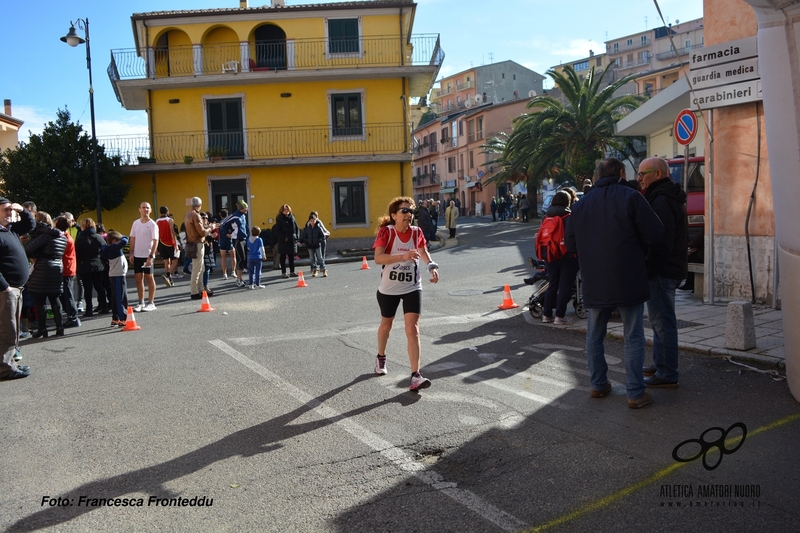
[431, 266]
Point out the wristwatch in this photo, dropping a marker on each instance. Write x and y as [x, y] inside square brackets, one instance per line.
[152, 257]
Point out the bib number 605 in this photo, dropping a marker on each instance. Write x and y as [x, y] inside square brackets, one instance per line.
[401, 276]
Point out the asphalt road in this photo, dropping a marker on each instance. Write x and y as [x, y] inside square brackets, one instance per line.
[267, 411]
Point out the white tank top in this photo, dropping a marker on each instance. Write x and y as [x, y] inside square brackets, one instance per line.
[402, 277]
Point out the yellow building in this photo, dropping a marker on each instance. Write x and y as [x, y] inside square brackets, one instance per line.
[9, 128]
[304, 104]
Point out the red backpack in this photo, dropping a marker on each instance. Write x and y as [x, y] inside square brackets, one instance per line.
[550, 240]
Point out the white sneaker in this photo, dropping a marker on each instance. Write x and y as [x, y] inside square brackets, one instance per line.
[138, 307]
[252, 287]
[418, 382]
[380, 370]
[261, 286]
[149, 307]
[225, 276]
[177, 275]
[563, 321]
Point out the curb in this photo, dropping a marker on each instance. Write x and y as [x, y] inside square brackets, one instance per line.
[766, 360]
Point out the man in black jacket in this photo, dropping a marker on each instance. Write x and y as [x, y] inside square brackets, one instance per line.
[667, 265]
[611, 229]
[14, 273]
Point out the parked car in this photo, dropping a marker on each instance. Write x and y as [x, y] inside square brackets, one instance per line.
[548, 197]
[695, 190]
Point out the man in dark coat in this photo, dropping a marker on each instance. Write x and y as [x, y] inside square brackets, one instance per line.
[611, 229]
[667, 265]
[14, 273]
[425, 222]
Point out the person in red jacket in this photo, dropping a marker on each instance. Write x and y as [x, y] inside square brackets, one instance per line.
[68, 272]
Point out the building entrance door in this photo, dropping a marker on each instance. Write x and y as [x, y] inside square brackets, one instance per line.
[226, 193]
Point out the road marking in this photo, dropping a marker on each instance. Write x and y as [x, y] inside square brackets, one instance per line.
[442, 320]
[396, 455]
[613, 497]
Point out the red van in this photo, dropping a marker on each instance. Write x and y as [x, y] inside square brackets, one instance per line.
[695, 190]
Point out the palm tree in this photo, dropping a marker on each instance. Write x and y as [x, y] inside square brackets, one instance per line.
[557, 138]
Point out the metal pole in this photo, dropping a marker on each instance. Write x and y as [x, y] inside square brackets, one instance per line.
[94, 132]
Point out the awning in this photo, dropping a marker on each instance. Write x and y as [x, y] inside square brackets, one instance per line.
[447, 191]
[657, 113]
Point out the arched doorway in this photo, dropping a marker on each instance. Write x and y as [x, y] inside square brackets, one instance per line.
[270, 47]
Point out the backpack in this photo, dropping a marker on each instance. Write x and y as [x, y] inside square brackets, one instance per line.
[550, 240]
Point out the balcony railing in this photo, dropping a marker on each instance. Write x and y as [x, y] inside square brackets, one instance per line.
[680, 52]
[635, 63]
[257, 143]
[291, 54]
[628, 47]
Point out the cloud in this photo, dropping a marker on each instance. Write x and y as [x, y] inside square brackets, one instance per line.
[36, 118]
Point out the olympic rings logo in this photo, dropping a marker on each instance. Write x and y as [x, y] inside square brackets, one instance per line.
[707, 446]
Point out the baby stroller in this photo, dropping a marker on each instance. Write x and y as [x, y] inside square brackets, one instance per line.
[540, 285]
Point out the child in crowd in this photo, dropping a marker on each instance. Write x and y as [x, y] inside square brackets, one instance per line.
[255, 256]
[117, 270]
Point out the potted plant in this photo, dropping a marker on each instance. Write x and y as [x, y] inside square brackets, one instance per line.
[146, 160]
[216, 153]
[188, 159]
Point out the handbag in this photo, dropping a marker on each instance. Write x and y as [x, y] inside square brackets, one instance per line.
[191, 249]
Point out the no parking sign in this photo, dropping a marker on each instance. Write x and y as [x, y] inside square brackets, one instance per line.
[685, 127]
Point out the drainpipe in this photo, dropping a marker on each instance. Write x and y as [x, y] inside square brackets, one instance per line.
[778, 32]
[402, 41]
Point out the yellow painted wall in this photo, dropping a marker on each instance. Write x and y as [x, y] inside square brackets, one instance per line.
[305, 188]
[264, 106]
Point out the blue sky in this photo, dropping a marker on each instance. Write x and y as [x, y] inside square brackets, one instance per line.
[42, 74]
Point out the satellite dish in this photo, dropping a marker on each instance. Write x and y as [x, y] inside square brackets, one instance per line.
[531, 93]
[478, 98]
[469, 103]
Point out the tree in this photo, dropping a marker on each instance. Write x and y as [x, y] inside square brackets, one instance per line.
[56, 172]
[566, 139]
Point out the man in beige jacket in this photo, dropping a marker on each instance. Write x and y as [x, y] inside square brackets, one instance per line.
[196, 234]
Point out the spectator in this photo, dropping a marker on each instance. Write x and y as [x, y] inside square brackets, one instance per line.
[286, 234]
[424, 221]
[90, 266]
[524, 207]
[226, 245]
[314, 236]
[117, 270]
[234, 228]
[256, 254]
[450, 218]
[667, 265]
[196, 233]
[14, 272]
[561, 272]
[610, 229]
[46, 247]
[69, 271]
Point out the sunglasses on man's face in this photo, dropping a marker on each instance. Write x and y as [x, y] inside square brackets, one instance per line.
[405, 210]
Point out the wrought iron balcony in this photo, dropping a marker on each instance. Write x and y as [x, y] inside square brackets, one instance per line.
[291, 54]
[257, 143]
[676, 53]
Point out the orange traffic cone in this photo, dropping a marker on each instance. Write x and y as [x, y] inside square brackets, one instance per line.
[301, 281]
[364, 264]
[130, 322]
[205, 307]
[508, 301]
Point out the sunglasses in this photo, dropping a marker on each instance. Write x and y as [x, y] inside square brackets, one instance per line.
[406, 210]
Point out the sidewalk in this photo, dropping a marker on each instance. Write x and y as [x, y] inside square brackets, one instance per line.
[701, 329]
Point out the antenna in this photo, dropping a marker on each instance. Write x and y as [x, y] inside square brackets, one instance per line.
[531, 93]
[491, 58]
[645, 22]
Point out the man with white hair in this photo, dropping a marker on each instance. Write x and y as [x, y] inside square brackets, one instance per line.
[196, 233]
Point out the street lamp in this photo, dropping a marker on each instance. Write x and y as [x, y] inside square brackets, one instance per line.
[73, 39]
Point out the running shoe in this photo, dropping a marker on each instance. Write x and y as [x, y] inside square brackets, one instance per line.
[138, 307]
[167, 280]
[261, 286]
[177, 275]
[252, 287]
[547, 319]
[380, 370]
[418, 382]
[225, 275]
[324, 273]
[149, 307]
[563, 321]
[240, 283]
